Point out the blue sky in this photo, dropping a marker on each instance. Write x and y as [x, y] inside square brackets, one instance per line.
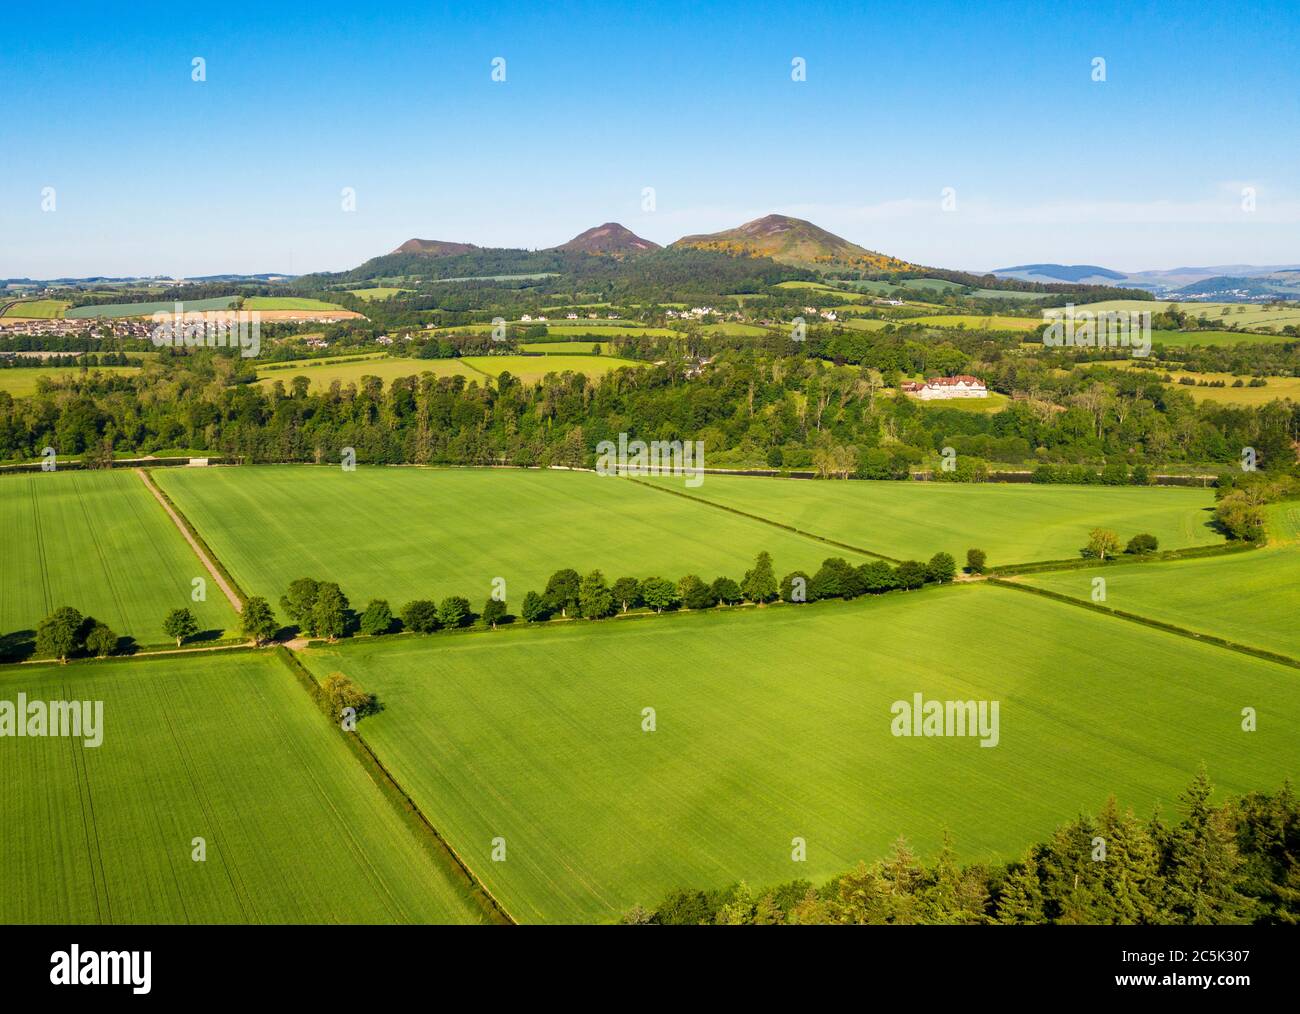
[154, 173]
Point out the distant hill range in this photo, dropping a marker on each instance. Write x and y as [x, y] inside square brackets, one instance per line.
[610, 238]
[794, 241]
[1221, 282]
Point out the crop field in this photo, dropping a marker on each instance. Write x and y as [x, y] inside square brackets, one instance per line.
[379, 292]
[227, 748]
[531, 369]
[1274, 387]
[611, 331]
[735, 329]
[22, 381]
[100, 542]
[1252, 598]
[1255, 316]
[287, 303]
[43, 309]
[973, 322]
[387, 369]
[775, 724]
[439, 532]
[1184, 339]
[565, 348]
[1011, 522]
[146, 309]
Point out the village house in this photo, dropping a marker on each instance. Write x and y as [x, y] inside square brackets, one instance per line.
[944, 388]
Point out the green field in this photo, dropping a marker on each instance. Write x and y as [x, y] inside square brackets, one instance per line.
[404, 533]
[611, 331]
[21, 381]
[44, 309]
[287, 303]
[1251, 598]
[531, 369]
[146, 309]
[100, 542]
[1255, 316]
[734, 329]
[1184, 339]
[350, 371]
[564, 348]
[973, 322]
[228, 748]
[774, 724]
[1012, 523]
[992, 402]
[379, 292]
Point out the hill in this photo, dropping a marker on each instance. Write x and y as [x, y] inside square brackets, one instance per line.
[434, 247]
[610, 238]
[793, 241]
[1061, 273]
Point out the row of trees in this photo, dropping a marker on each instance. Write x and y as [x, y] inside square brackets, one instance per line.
[1234, 863]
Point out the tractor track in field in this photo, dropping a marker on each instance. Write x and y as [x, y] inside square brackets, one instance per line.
[199, 551]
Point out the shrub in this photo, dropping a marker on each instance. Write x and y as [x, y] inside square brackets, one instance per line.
[1142, 544]
[975, 560]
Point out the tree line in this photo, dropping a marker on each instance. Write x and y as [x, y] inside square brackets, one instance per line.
[1235, 863]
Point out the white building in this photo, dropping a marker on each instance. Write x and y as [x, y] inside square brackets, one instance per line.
[944, 388]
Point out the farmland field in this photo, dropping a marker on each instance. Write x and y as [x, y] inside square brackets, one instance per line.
[379, 292]
[991, 402]
[531, 369]
[1274, 387]
[973, 322]
[287, 303]
[1255, 316]
[734, 329]
[21, 381]
[610, 331]
[1252, 598]
[438, 532]
[146, 309]
[223, 747]
[43, 309]
[100, 542]
[775, 724]
[564, 348]
[1012, 523]
[387, 369]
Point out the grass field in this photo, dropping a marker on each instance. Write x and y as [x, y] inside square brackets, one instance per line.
[1250, 315]
[734, 329]
[1251, 598]
[379, 292]
[351, 371]
[44, 309]
[22, 381]
[145, 309]
[1184, 339]
[531, 369]
[1012, 523]
[973, 322]
[992, 402]
[1274, 388]
[565, 348]
[223, 747]
[611, 331]
[775, 724]
[100, 542]
[287, 303]
[404, 533]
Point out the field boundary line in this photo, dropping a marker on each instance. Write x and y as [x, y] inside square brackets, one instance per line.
[390, 786]
[766, 521]
[1125, 559]
[1147, 621]
[228, 587]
